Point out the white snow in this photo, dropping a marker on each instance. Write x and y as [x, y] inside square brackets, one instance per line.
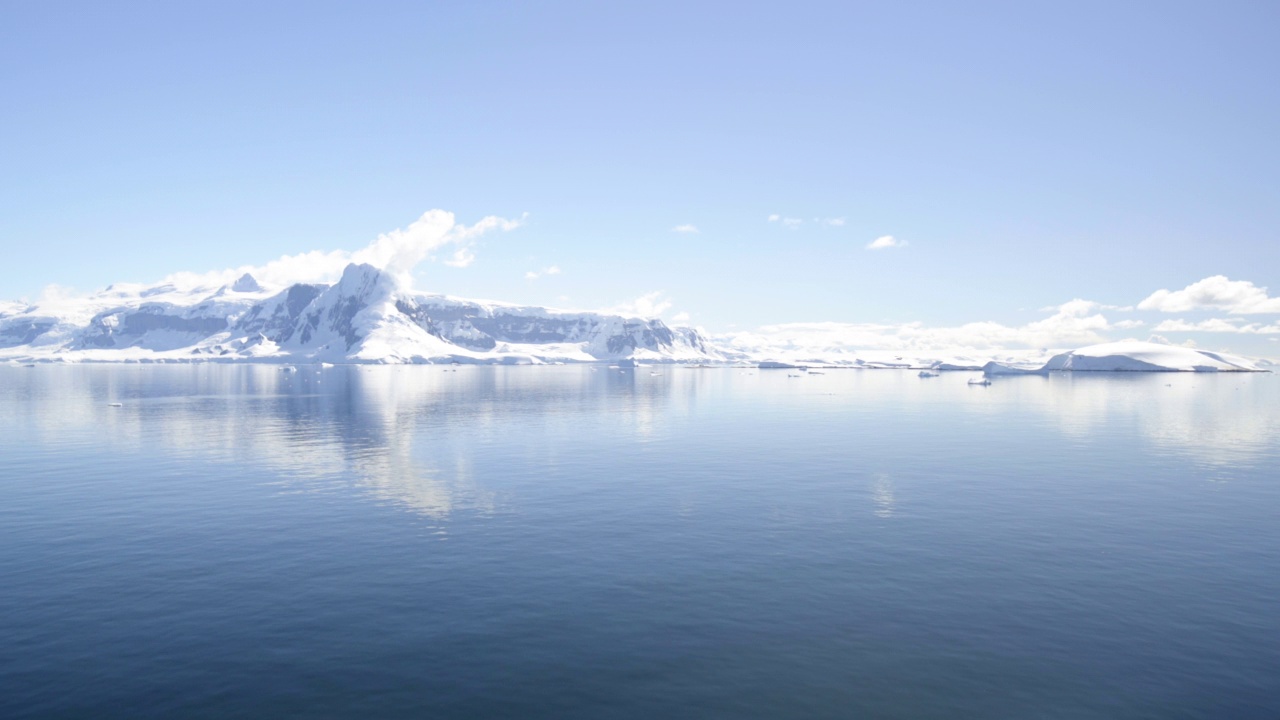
[1133, 356]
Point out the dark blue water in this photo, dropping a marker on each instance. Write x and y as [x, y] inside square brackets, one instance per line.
[564, 542]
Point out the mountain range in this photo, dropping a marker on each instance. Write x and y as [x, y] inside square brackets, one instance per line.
[365, 317]
[370, 316]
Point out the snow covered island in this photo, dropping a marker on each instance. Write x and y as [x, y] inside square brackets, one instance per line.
[1130, 356]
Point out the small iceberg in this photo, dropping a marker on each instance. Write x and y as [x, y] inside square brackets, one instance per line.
[979, 381]
[927, 374]
[115, 404]
[289, 369]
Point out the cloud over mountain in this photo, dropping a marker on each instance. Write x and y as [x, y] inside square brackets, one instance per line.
[398, 252]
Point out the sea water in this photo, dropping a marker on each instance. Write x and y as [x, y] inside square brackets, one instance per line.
[593, 542]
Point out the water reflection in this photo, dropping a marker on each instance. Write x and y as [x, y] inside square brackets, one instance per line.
[1216, 418]
[408, 435]
[434, 440]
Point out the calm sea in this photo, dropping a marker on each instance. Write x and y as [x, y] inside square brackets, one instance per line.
[575, 542]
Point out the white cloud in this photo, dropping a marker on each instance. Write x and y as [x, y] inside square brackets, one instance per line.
[689, 229]
[649, 305]
[1073, 308]
[535, 274]
[886, 241]
[774, 217]
[1080, 307]
[680, 318]
[786, 221]
[397, 252]
[834, 222]
[487, 223]
[1217, 292]
[461, 257]
[1217, 325]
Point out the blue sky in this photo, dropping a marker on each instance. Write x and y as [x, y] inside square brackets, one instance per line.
[1026, 153]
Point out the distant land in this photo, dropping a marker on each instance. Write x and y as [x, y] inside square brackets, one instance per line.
[370, 316]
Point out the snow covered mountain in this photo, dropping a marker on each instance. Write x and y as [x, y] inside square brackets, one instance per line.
[364, 317]
[367, 316]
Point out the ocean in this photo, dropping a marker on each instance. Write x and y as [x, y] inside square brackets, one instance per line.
[594, 542]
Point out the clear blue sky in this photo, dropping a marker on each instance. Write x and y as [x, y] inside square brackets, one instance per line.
[1028, 153]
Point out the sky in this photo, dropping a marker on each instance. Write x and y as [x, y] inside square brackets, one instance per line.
[730, 165]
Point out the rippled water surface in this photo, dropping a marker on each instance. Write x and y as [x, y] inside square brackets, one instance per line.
[574, 542]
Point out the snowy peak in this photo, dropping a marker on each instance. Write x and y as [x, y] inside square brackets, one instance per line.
[246, 284]
[365, 281]
[347, 311]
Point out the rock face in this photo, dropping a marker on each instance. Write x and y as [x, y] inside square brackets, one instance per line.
[483, 327]
[364, 317]
[246, 284]
[278, 316]
[24, 331]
